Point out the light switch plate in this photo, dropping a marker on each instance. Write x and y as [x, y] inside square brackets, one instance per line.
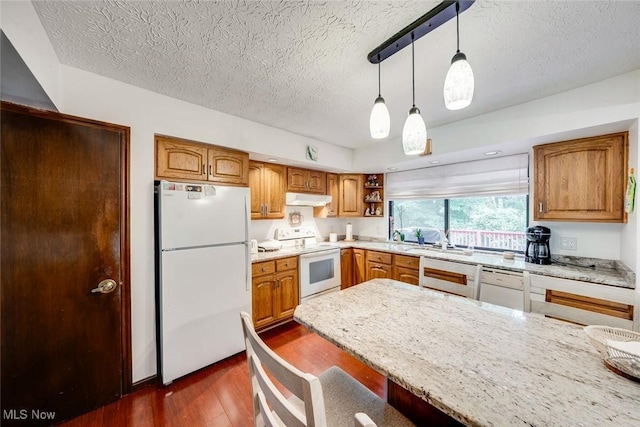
[569, 243]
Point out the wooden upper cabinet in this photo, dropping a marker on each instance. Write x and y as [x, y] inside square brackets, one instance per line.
[581, 180]
[331, 209]
[350, 191]
[268, 185]
[180, 159]
[194, 161]
[228, 166]
[306, 181]
[333, 190]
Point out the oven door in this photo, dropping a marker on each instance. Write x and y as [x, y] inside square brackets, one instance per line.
[319, 272]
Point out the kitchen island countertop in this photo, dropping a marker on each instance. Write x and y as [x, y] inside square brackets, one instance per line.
[481, 364]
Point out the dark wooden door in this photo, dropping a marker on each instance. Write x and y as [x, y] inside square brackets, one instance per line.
[64, 215]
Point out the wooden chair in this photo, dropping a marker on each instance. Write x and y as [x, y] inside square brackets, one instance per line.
[332, 399]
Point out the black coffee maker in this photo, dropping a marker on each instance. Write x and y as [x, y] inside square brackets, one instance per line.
[537, 250]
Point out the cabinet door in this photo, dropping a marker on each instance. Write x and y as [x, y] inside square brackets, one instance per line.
[274, 188]
[376, 270]
[228, 166]
[287, 294]
[333, 190]
[317, 182]
[350, 202]
[359, 266]
[581, 180]
[182, 160]
[407, 275]
[263, 299]
[257, 193]
[297, 180]
[346, 268]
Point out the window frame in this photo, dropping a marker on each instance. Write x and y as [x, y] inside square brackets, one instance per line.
[447, 223]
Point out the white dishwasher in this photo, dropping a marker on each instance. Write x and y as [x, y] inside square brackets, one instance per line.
[501, 287]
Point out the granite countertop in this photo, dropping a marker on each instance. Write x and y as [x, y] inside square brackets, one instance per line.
[606, 272]
[482, 364]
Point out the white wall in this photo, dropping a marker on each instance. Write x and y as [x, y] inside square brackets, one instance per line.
[21, 25]
[629, 253]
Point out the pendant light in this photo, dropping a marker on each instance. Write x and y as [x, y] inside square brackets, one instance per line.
[414, 133]
[458, 85]
[379, 121]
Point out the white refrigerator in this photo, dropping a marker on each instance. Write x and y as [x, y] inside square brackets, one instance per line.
[204, 274]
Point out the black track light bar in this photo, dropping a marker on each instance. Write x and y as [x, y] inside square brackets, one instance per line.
[420, 27]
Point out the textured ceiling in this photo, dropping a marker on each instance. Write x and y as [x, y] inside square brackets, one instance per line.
[301, 65]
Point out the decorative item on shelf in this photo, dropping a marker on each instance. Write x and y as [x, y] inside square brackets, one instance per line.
[379, 121]
[378, 211]
[414, 135]
[419, 236]
[372, 181]
[458, 85]
[373, 197]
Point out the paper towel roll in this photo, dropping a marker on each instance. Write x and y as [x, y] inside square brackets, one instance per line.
[349, 233]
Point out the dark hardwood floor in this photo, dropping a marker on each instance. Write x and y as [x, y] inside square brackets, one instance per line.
[220, 394]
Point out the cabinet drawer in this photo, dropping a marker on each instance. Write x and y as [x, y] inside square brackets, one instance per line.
[407, 261]
[287, 264]
[455, 267]
[261, 268]
[506, 280]
[381, 257]
[623, 311]
[446, 276]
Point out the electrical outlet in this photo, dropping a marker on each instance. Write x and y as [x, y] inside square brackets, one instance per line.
[569, 243]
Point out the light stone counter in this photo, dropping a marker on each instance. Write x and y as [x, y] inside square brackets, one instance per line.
[612, 273]
[606, 272]
[481, 364]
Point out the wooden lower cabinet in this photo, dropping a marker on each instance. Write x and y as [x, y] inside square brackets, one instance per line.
[275, 291]
[405, 269]
[359, 266]
[379, 265]
[346, 268]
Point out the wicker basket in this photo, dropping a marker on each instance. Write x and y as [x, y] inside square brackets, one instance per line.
[602, 337]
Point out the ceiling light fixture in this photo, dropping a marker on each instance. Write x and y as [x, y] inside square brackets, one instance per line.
[414, 133]
[458, 85]
[379, 121]
[492, 153]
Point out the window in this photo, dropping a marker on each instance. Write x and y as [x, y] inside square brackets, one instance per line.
[490, 222]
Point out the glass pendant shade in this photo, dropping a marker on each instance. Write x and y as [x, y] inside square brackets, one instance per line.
[458, 85]
[414, 133]
[379, 121]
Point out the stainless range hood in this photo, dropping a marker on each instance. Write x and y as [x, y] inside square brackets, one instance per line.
[303, 199]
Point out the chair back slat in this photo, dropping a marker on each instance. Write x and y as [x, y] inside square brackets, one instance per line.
[305, 386]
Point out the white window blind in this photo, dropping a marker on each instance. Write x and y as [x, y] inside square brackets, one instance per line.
[507, 175]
